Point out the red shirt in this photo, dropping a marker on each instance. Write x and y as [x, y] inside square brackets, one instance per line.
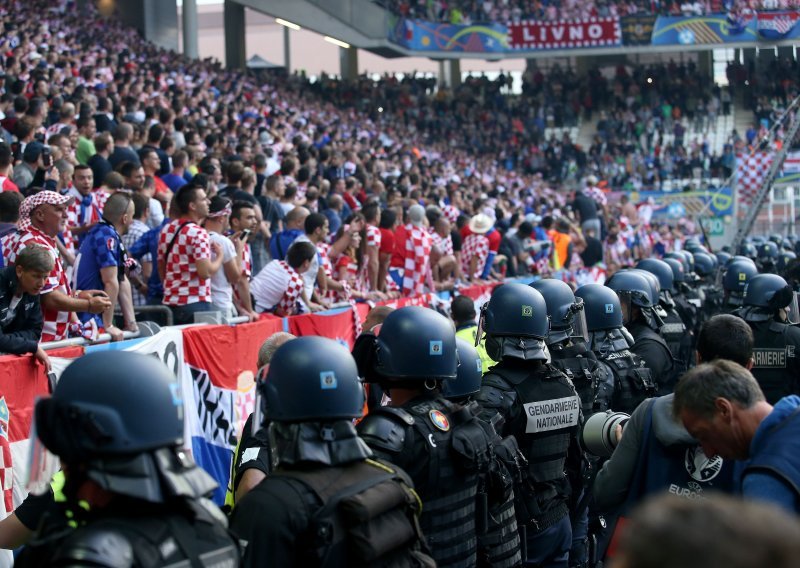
[161, 187]
[399, 253]
[351, 201]
[387, 241]
[493, 235]
[7, 185]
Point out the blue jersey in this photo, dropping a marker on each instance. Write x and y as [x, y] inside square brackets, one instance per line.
[149, 243]
[100, 249]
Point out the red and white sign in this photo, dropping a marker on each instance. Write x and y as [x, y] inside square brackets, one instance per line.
[594, 32]
[792, 163]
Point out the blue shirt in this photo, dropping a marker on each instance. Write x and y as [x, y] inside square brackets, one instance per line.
[149, 243]
[774, 453]
[173, 182]
[100, 249]
[281, 242]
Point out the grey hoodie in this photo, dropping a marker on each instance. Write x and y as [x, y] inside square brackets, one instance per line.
[615, 478]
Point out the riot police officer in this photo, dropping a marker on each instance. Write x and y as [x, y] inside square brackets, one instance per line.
[632, 380]
[706, 267]
[770, 308]
[767, 259]
[640, 318]
[737, 274]
[133, 497]
[499, 543]
[687, 304]
[326, 492]
[674, 329]
[566, 341]
[542, 411]
[441, 444]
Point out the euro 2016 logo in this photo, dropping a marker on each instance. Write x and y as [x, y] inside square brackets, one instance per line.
[527, 311]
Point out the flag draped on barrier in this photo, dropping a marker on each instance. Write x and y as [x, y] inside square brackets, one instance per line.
[216, 366]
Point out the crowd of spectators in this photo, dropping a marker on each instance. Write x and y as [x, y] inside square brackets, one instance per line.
[153, 179]
[467, 12]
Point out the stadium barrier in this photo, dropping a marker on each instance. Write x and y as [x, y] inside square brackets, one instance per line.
[216, 366]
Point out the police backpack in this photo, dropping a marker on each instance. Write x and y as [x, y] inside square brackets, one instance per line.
[368, 517]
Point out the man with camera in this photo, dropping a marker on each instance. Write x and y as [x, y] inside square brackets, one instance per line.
[656, 452]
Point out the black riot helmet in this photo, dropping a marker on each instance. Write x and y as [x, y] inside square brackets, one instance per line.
[737, 275]
[307, 397]
[516, 323]
[749, 250]
[636, 289]
[723, 258]
[469, 375]
[785, 258]
[685, 257]
[602, 307]
[311, 379]
[768, 254]
[689, 257]
[704, 264]
[678, 269]
[416, 344]
[661, 270]
[634, 285]
[739, 257]
[604, 319]
[766, 294]
[655, 287]
[566, 313]
[117, 417]
[692, 243]
[768, 251]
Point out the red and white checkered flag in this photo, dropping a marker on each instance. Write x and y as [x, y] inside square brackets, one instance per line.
[750, 173]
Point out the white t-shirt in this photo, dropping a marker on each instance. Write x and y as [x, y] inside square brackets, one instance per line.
[156, 213]
[310, 276]
[221, 289]
[269, 286]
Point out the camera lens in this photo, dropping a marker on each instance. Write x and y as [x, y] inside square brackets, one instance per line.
[599, 437]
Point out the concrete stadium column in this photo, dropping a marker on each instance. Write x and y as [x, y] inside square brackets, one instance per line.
[348, 63]
[786, 52]
[287, 50]
[450, 73]
[749, 56]
[189, 17]
[705, 64]
[157, 20]
[234, 25]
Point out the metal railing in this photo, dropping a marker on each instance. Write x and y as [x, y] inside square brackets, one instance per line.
[76, 341]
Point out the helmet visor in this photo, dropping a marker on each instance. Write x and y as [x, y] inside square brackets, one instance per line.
[42, 464]
[481, 321]
[260, 403]
[792, 311]
[626, 304]
[579, 328]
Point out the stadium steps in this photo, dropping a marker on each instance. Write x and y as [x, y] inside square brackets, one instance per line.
[587, 132]
[743, 118]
